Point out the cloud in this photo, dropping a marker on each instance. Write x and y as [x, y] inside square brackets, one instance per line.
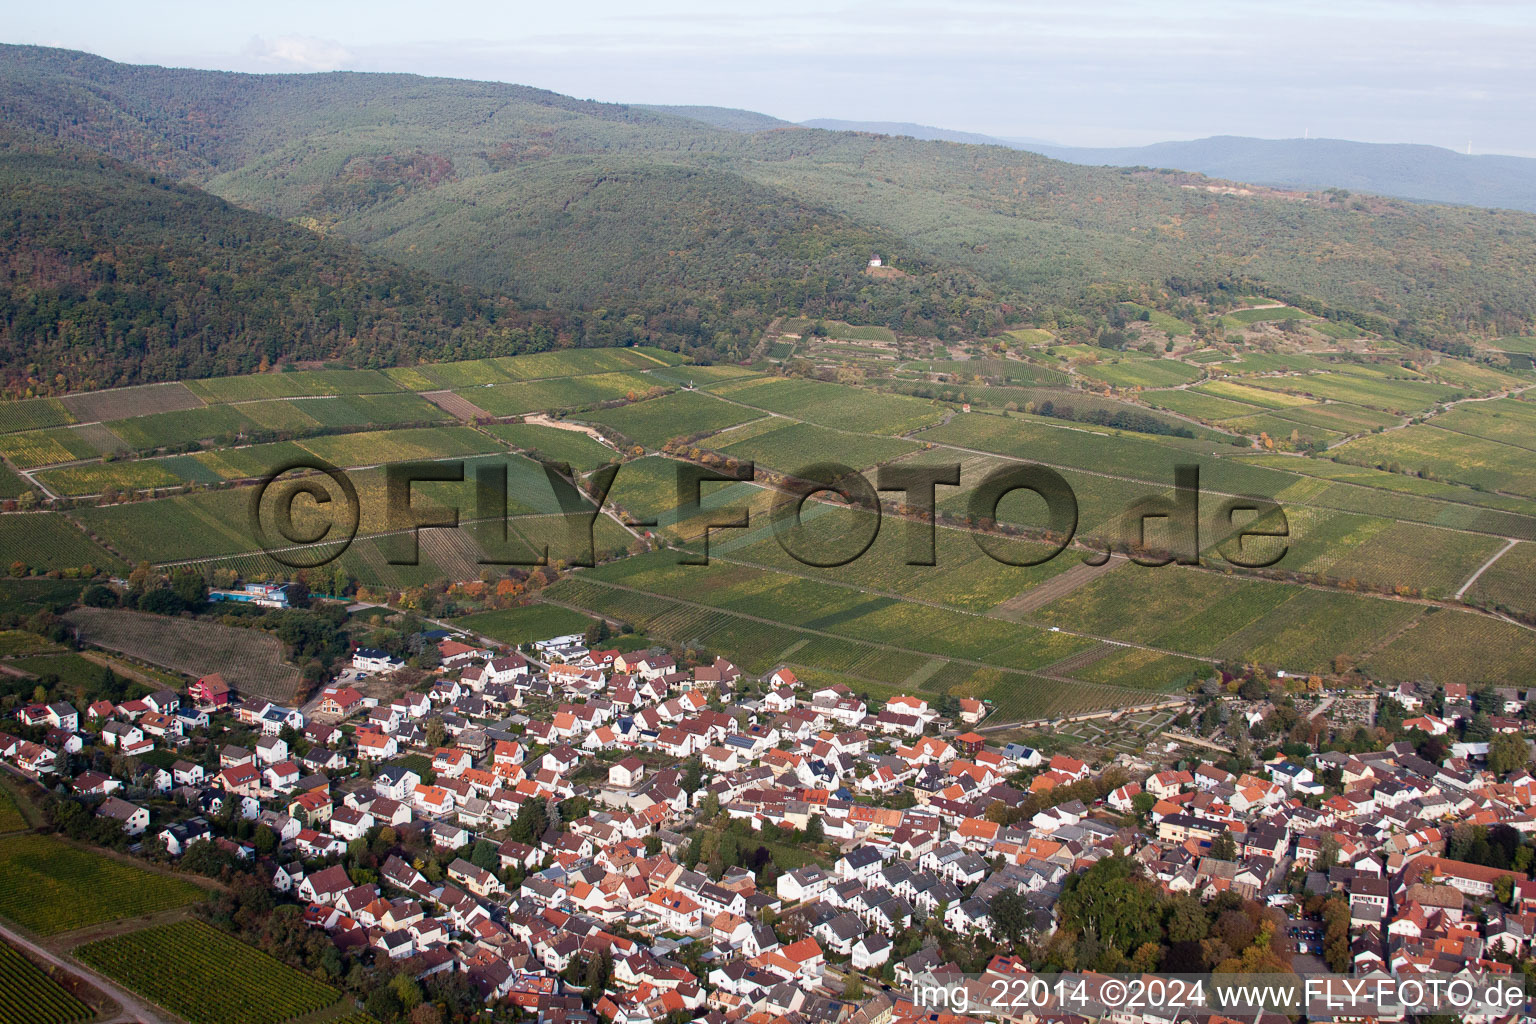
[297, 53]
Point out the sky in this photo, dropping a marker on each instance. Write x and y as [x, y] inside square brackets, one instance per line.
[1090, 73]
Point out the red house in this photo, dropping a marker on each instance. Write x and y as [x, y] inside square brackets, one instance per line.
[971, 742]
[210, 690]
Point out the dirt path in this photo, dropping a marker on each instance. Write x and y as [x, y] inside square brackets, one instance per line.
[542, 420]
[1484, 568]
[133, 1008]
[1032, 600]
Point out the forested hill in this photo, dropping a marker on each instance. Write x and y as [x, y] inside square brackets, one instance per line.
[625, 223]
[114, 275]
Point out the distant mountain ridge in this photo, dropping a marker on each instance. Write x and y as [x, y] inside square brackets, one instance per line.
[1403, 170]
[1399, 169]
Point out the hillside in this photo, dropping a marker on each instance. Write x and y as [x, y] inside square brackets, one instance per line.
[114, 275]
[729, 118]
[1412, 172]
[634, 224]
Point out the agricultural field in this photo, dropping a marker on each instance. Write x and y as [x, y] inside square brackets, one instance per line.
[347, 411]
[577, 449]
[123, 475]
[1199, 405]
[291, 385]
[174, 529]
[1135, 667]
[1142, 373]
[1280, 429]
[1306, 632]
[1245, 317]
[252, 660]
[206, 976]
[1445, 455]
[1507, 582]
[1250, 395]
[833, 405]
[29, 996]
[680, 414]
[29, 449]
[1507, 420]
[11, 484]
[1340, 416]
[526, 624]
[33, 414]
[1445, 646]
[1390, 395]
[123, 403]
[48, 886]
[48, 540]
[70, 669]
[179, 427]
[794, 446]
[520, 398]
[376, 447]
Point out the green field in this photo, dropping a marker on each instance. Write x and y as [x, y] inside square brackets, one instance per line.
[516, 399]
[681, 414]
[1244, 317]
[290, 385]
[1427, 450]
[832, 405]
[205, 976]
[1446, 646]
[1142, 373]
[1390, 395]
[29, 449]
[1201, 406]
[48, 540]
[794, 446]
[526, 624]
[48, 886]
[1507, 582]
[33, 414]
[29, 996]
[123, 475]
[181, 426]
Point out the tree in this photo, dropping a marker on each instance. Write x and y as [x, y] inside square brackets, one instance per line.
[1115, 903]
[1224, 847]
[382, 1003]
[815, 831]
[1187, 919]
[1507, 752]
[485, 855]
[436, 731]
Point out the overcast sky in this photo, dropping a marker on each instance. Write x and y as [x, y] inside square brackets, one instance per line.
[1084, 73]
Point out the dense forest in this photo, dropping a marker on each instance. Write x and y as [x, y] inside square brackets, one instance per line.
[433, 218]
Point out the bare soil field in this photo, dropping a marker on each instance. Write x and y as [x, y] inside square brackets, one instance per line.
[250, 660]
[457, 405]
[125, 402]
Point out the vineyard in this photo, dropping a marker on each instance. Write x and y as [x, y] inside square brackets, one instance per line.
[680, 414]
[48, 886]
[250, 659]
[832, 405]
[29, 996]
[49, 540]
[205, 976]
